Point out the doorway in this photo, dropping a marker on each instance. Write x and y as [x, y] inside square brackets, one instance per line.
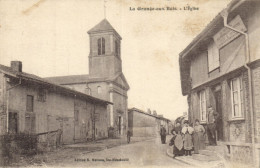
[219, 123]
[13, 123]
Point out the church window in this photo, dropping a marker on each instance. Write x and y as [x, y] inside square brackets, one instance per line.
[88, 91]
[99, 89]
[117, 48]
[101, 46]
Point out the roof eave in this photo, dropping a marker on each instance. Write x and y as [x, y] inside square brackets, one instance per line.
[230, 7]
[56, 85]
[196, 41]
[104, 31]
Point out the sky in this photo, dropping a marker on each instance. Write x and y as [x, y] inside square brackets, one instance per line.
[50, 38]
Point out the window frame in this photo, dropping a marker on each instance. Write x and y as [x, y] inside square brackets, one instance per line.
[41, 95]
[32, 103]
[202, 98]
[88, 91]
[99, 90]
[117, 48]
[101, 46]
[240, 93]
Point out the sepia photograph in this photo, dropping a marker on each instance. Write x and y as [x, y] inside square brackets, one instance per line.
[130, 83]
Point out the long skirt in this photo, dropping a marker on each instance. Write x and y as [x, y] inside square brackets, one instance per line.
[177, 152]
[178, 146]
[199, 141]
[187, 142]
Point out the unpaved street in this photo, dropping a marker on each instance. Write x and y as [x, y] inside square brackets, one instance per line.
[146, 153]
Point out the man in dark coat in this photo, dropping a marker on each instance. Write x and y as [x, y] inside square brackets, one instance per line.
[211, 125]
[163, 134]
[128, 134]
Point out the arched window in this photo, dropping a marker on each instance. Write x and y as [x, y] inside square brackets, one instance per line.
[101, 46]
[99, 89]
[88, 91]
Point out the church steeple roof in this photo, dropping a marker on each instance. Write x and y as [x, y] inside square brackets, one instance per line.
[103, 26]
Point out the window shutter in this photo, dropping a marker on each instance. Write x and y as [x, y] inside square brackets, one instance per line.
[213, 56]
[103, 45]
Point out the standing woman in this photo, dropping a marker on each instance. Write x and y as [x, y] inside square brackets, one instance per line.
[178, 141]
[199, 140]
[187, 133]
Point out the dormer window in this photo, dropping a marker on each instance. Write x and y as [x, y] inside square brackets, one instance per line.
[101, 46]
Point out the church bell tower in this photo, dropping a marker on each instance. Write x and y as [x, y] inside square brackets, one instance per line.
[105, 53]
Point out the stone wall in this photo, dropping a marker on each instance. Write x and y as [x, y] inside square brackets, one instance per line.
[256, 87]
[58, 111]
[143, 125]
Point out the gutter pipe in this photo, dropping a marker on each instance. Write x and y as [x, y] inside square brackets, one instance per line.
[224, 14]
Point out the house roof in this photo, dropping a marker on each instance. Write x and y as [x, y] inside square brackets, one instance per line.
[81, 79]
[143, 112]
[103, 26]
[199, 43]
[33, 78]
[212, 25]
[70, 79]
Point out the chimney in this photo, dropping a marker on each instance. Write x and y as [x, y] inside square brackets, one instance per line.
[16, 66]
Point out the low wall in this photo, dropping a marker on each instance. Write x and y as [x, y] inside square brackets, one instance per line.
[238, 152]
[144, 131]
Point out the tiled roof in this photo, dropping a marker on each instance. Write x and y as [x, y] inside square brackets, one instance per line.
[71, 79]
[143, 112]
[79, 79]
[33, 78]
[200, 41]
[103, 26]
[212, 25]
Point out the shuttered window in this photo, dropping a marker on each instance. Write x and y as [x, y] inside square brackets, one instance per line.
[213, 57]
[29, 103]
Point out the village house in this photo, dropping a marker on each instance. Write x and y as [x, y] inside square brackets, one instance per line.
[30, 104]
[105, 79]
[221, 68]
[142, 123]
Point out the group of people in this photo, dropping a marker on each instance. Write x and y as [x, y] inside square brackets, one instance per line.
[188, 138]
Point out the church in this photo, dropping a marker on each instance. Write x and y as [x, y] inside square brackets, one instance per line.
[105, 79]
